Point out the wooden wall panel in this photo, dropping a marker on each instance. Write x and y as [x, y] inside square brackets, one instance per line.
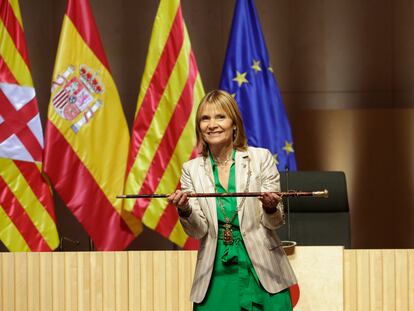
[8, 283]
[350, 275]
[363, 285]
[161, 280]
[108, 284]
[21, 279]
[171, 277]
[96, 281]
[147, 281]
[411, 280]
[401, 279]
[71, 282]
[388, 281]
[121, 278]
[134, 280]
[45, 281]
[375, 278]
[33, 277]
[383, 280]
[58, 288]
[84, 281]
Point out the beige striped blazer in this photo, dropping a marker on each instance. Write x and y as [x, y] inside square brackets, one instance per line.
[255, 171]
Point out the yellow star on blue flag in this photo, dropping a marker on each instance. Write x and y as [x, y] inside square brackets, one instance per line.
[240, 78]
[256, 66]
[288, 147]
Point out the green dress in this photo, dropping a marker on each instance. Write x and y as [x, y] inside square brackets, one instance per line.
[234, 284]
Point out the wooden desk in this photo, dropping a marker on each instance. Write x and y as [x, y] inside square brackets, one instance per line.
[330, 278]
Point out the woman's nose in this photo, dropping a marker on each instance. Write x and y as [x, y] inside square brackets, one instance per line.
[212, 123]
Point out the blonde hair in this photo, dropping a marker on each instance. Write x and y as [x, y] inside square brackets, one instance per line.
[222, 100]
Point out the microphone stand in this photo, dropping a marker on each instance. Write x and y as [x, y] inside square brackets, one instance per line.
[289, 245]
[64, 238]
[288, 202]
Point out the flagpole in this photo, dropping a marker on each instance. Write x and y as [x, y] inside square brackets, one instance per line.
[91, 245]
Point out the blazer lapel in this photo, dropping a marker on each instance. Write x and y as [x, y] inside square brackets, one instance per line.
[206, 179]
[242, 179]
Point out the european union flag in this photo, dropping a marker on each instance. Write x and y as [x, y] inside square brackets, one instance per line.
[248, 76]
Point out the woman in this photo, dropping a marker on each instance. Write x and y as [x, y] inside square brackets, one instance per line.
[240, 264]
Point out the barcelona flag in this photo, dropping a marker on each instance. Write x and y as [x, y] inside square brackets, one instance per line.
[248, 76]
[27, 216]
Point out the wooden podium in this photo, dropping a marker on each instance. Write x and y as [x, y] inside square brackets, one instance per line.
[330, 278]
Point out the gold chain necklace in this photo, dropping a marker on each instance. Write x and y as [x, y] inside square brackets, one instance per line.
[222, 163]
[228, 227]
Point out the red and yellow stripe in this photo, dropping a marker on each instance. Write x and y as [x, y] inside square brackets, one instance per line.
[13, 44]
[88, 168]
[27, 218]
[163, 133]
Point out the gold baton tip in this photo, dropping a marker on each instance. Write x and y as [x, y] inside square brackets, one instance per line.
[321, 194]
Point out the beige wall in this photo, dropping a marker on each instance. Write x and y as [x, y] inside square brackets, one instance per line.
[345, 69]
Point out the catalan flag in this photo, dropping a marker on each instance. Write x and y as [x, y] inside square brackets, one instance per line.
[247, 75]
[163, 135]
[87, 136]
[27, 217]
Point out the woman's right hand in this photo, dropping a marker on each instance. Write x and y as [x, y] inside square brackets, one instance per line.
[180, 200]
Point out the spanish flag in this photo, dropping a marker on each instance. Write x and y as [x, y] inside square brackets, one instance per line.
[27, 217]
[87, 136]
[163, 135]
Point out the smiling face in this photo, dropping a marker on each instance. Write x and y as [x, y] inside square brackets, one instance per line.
[218, 122]
[216, 126]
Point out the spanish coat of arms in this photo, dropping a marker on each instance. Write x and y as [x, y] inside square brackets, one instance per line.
[77, 93]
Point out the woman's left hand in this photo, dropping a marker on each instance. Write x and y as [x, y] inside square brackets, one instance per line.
[270, 200]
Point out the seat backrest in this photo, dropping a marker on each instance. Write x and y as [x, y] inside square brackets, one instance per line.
[316, 221]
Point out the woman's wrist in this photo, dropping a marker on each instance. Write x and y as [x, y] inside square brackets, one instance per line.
[270, 209]
[185, 211]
